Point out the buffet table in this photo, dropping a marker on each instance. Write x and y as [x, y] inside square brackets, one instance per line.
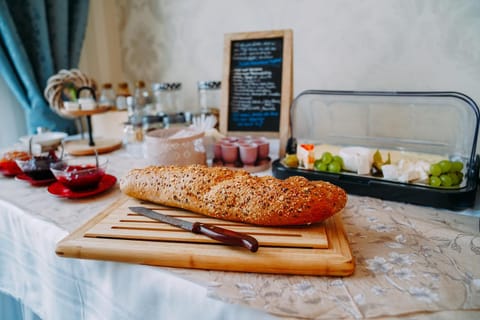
[411, 261]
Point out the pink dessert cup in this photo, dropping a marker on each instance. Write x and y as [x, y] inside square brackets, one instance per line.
[229, 152]
[263, 148]
[248, 153]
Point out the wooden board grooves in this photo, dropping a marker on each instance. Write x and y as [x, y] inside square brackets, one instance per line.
[120, 235]
[147, 229]
[166, 227]
[132, 225]
[189, 241]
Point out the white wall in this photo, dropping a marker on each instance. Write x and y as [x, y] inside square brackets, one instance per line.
[338, 44]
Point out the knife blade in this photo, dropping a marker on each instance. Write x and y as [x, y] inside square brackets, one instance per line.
[223, 235]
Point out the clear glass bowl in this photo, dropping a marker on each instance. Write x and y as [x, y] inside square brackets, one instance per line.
[38, 167]
[79, 173]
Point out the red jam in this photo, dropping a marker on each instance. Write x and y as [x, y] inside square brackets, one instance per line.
[38, 167]
[81, 177]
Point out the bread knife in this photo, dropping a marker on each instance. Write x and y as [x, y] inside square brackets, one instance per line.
[226, 236]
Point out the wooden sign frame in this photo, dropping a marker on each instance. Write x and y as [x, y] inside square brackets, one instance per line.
[286, 87]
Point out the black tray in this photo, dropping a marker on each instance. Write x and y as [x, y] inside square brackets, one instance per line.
[447, 198]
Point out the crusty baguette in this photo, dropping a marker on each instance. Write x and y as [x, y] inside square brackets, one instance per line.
[236, 195]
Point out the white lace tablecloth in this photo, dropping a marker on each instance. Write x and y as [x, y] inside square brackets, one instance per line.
[411, 261]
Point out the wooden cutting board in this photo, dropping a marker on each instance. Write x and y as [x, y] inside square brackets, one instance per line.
[82, 148]
[117, 234]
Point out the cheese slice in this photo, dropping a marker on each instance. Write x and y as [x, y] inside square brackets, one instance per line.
[306, 155]
[357, 159]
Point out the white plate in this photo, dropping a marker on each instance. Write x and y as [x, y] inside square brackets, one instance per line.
[45, 139]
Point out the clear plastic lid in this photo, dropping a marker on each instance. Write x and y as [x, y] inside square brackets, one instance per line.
[441, 123]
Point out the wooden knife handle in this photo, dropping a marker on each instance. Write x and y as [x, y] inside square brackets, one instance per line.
[226, 236]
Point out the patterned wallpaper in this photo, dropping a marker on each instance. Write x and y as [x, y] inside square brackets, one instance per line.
[341, 44]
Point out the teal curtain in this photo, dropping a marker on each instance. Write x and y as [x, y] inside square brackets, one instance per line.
[12, 308]
[37, 39]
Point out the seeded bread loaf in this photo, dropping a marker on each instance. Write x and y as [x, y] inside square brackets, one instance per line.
[236, 195]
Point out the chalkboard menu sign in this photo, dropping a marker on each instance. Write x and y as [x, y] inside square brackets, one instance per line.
[257, 84]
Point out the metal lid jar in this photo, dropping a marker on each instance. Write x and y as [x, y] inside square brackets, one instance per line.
[209, 96]
[167, 97]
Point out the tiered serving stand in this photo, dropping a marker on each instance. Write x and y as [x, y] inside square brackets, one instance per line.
[53, 93]
[83, 147]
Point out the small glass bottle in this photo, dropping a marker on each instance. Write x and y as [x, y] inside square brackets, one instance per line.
[131, 109]
[122, 93]
[132, 130]
[107, 96]
[209, 95]
[142, 98]
[133, 133]
[133, 138]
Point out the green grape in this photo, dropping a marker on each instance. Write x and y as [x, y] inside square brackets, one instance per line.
[435, 170]
[460, 176]
[446, 180]
[455, 178]
[334, 167]
[323, 167]
[319, 165]
[445, 165]
[457, 166]
[435, 181]
[327, 157]
[339, 160]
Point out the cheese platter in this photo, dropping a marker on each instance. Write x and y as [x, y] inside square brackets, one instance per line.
[414, 147]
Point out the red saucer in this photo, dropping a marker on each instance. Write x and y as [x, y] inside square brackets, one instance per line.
[10, 170]
[60, 190]
[33, 182]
